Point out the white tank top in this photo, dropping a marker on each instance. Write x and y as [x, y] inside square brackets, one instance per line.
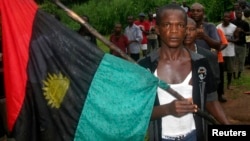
[174, 126]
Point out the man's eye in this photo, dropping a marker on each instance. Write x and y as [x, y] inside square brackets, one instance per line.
[191, 29]
[166, 25]
[195, 10]
[181, 25]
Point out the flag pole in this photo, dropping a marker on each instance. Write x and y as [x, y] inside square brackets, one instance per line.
[93, 31]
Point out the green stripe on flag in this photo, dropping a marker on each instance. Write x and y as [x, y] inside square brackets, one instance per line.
[119, 102]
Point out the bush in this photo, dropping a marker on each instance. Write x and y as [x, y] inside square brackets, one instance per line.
[104, 14]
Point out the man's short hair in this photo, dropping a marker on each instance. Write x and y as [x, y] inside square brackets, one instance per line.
[169, 7]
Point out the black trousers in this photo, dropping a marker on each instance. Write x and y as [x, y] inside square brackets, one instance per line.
[220, 89]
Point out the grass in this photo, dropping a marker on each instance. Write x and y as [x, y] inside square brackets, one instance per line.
[244, 80]
[102, 46]
[241, 85]
[238, 103]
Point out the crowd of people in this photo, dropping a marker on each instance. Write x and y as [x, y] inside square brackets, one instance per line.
[181, 35]
[229, 40]
[179, 46]
[139, 37]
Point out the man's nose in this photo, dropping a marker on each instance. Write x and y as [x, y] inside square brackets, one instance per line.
[174, 28]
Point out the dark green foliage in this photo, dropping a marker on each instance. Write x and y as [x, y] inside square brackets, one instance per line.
[104, 14]
[217, 9]
[68, 2]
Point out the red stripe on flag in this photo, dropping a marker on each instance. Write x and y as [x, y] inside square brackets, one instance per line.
[17, 21]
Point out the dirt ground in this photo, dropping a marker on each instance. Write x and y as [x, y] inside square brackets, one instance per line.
[237, 108]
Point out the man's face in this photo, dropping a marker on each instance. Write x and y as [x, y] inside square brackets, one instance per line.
[242, 4]
[172, 28]
[141, 18]
[118, 28]
[236, 6]
[238, 14]
[191, 33]
[197, 13]
[130, 20]
[226, 18]
[150, 16]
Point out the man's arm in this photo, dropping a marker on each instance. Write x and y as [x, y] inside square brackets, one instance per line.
[215, 109]
[139, 36]
[213, 40]
[176, 108]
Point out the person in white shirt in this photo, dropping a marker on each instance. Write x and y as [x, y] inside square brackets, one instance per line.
[228, 53]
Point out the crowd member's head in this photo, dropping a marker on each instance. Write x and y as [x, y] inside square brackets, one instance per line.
[238, 14]
[83, 30]
[236, 6]
[243, 4]
[191, 33]
[118, 28]
[174, 2]
[226, 19]
[197, 12]
[130, 20]
[150, 16]
[247, 13]
[184, 3]
[85, 18]
[142, 16]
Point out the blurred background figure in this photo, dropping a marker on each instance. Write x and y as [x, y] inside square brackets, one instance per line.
[119, 39]
[85, 32]
[240, 43]
[185, 7]
[134, 35]
[144, 26]
[152, 36]
[236, 7]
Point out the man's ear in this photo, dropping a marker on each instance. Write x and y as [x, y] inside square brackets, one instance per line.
[157, 30]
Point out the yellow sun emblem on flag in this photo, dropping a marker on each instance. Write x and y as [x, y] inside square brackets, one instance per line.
[55, 88]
